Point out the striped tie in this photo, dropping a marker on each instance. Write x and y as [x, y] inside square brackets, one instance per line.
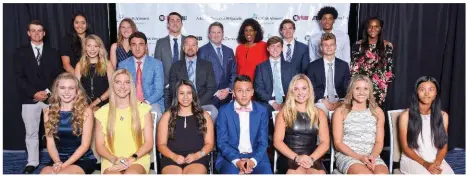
[288, 54]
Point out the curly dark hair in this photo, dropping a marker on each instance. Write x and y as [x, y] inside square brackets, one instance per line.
[327, 10]
[196, 110]
[255, 25]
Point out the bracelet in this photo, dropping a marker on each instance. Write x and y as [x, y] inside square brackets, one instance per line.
[295, 158]
[202, 153]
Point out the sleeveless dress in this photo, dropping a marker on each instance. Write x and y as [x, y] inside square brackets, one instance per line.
[187, 140]
[94, 84]
[67, 143]
[122, 54]
[359, 131]
[123, 143]
[301, 139]
[426, 150]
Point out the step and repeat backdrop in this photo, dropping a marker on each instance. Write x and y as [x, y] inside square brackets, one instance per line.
[151, 19]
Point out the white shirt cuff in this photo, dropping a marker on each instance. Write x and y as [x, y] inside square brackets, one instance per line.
[235, 162]
[147, 102]
[271, 102]
[255, 162]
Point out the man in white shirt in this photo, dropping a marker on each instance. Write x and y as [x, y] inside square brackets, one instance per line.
[327, 16]
[242, 133]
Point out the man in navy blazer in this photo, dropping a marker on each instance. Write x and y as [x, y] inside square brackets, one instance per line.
[242, 133]
[295, 52]
[265, 75]
[223, 62]
[152, 77]
[319, 72]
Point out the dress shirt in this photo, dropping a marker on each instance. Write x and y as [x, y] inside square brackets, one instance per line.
[244, 137]
[142, 60]
[179, 41]
[41, 48]
[285, 48]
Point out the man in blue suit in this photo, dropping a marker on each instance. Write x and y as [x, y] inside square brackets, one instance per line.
[147, 73]
[242, 133]
[272, 77]
[329, 76]
[295, 52]
[224, 64]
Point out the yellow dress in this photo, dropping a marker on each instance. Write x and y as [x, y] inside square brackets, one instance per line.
[123, 146]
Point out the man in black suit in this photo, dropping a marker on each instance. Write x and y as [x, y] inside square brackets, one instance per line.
[199, 72]
[36, 68]
[272, 77]
[330, 76]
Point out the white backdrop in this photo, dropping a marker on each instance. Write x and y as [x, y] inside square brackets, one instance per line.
[151, 19]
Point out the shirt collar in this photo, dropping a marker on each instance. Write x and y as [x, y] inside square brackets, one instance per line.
[272, 60]
[178, 37]
[285, 43]
[216, 46]
[39, 46]
[237, 105]
[326, 61]
[332, 31]
[142, 59]
[194, 59]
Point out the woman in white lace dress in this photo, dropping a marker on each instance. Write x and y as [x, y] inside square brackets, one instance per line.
[358, 130]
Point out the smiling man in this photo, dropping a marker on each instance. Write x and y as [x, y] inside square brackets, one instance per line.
[295, 52]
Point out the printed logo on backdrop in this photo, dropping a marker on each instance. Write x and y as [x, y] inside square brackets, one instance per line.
[136, 19]
[307, 37]
[163, 18]
[224, 18]
[266, 19]
[300, 17]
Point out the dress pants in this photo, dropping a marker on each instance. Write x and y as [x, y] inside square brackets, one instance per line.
[31, 114]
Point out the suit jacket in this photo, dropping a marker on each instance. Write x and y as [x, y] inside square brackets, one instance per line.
[224, 74]
[152, 78]
[228, 134]
[300, 57]
[316, 74]
[204, 80]
[264, 79]
[32, 78]
[163, 52]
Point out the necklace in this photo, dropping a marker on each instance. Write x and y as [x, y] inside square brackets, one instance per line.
[121, 118]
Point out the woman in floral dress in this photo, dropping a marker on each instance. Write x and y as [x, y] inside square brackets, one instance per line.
[372, 56]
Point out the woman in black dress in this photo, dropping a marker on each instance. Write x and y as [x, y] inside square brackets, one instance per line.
[297, 127]
[185, 134]
[71, 47]
[94, 72]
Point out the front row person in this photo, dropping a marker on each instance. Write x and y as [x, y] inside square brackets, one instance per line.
[298, 127]
[358, 130]
[242, 133]
[124, 129]
[423, 131]
[185, 134]
[68, 128]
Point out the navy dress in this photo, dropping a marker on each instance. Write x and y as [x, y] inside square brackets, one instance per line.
[67, 143]
[122, 54]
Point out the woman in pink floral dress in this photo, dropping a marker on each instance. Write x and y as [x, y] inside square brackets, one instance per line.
[372, 56]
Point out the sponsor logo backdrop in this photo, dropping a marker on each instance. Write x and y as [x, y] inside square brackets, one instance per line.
[151, 19]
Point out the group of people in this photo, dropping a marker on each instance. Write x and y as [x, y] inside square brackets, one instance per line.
[197, 92]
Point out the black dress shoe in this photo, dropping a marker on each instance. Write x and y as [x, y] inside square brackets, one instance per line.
[29, 169]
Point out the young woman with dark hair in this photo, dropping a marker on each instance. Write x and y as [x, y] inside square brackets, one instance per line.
[72, 44]
[251, 50]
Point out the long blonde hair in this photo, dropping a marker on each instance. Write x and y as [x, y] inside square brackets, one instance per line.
[348, 102]
[79, 107]
[289, 110]
[120, 37]
[136, 126]
[101, 66]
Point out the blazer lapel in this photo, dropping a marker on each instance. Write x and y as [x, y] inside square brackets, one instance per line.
[146, 69]
[295, 50]
[198, 70]
[337, 71]
[184, 70]
[132, 68]
[225, 59]
[253, 125]
[321, 70]
[270, 75]
[284, 73]
[235, 119]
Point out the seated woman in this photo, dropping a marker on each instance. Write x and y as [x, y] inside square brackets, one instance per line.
[358, 130]
[296, 130]
[423, 131]
[68, 128]
[124, 132]
[185, 134]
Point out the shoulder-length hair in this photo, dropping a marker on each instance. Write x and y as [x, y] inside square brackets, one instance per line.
[255, 25]
[348, 102]
[289, 111]
[101, 66]
[120, 37]
[79, 107]
[136, 125]
[439, 136]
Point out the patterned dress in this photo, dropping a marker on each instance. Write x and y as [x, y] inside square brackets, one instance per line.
[359, 131]
[378, 69]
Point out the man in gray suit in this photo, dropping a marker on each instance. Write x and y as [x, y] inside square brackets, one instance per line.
[169, 48]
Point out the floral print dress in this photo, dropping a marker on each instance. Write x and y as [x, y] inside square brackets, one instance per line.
[378, 69]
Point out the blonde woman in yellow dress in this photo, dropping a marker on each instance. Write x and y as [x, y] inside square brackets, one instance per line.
[124, 129]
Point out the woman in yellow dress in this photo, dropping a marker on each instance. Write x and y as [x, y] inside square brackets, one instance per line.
[124, 129]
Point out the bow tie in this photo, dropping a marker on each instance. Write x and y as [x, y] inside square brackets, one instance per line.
[243, 109]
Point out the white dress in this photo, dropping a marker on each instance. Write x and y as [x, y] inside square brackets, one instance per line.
[426, 150]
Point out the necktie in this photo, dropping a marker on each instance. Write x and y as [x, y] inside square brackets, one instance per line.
[38, 57]
[330, 85]
[288, 54]
[139, 85]
[276, 84]
[175, 48]
[191, 72]
[243, 109]
[220, 57]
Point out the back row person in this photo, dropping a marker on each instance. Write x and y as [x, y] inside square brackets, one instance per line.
[72, 44]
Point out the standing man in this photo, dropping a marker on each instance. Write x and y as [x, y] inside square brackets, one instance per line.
[169, 48]
[199, 72]
[223, 61]
[327, 16]
[36, 68]
[294, 52]
[147, 73]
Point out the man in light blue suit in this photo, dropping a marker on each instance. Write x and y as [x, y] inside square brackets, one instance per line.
[223, 61]
[242, 133]
[147, 73]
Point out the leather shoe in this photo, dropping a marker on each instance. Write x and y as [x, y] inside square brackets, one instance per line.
[29, 169]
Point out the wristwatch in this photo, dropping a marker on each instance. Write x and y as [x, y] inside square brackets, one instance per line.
[135, 156]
